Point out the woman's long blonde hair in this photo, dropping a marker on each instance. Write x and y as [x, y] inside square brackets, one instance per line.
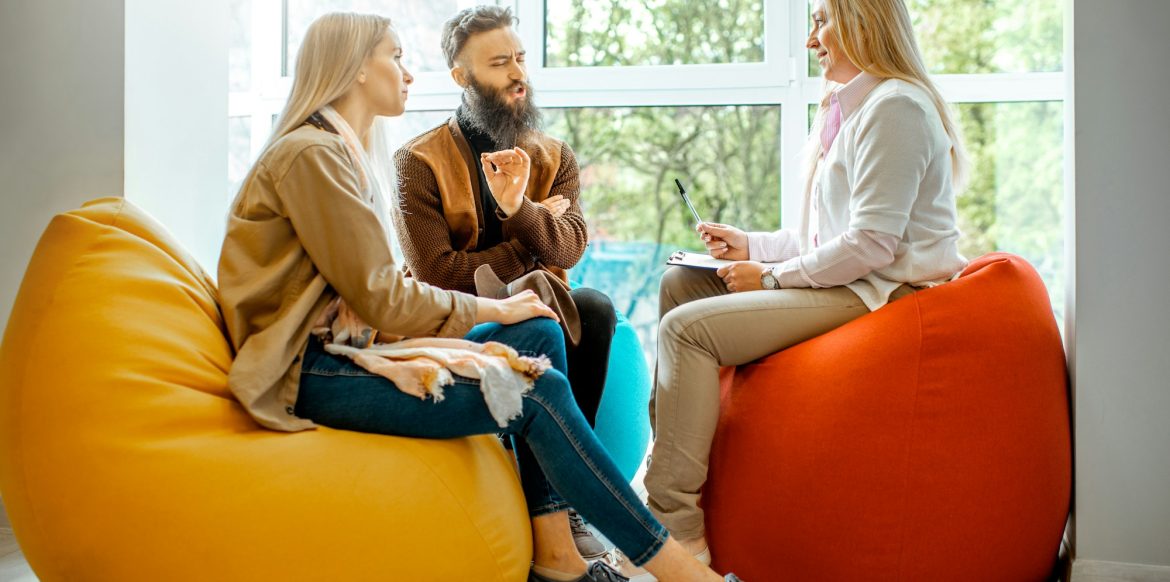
[878, 37]
[328, 63]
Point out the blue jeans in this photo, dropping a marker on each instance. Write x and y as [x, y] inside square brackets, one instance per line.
[556, 449]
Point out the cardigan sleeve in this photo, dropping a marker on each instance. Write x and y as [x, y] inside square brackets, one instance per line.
[773, 247]
[841, 260]
[322, 198]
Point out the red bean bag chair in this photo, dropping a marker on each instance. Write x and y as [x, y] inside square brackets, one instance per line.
[926, 441]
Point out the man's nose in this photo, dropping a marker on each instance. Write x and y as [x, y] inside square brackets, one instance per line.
[516, 71]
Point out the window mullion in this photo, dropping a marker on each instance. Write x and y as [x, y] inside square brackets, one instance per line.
[531, 31]
[267, 37]
[1002, 87]
[793, 134]
[777, 48]
[794, 118]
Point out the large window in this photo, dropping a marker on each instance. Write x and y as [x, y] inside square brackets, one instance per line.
[718, 94]
[629, 157]
[603, 33]
[419, 24]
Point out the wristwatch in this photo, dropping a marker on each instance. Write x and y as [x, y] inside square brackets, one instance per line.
[768, 280]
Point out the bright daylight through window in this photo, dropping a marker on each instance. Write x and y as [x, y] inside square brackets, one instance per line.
[718, 94]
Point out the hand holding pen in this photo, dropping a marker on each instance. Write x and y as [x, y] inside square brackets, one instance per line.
[724, 241]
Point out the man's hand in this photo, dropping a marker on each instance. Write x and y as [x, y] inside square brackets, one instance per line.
[742, 276]
[507, 177]
[724, 241]
[557, 205]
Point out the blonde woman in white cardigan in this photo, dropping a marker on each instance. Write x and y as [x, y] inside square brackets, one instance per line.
[885, 161]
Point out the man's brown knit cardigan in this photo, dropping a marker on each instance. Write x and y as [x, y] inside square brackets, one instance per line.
[442, 215]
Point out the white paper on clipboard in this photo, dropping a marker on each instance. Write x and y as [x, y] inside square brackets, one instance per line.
[696, 260]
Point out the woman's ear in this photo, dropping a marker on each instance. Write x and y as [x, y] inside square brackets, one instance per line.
[361, 78]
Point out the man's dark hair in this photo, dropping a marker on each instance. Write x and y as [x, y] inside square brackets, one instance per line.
[471, 21]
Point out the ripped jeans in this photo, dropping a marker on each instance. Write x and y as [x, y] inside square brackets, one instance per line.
[558, 453]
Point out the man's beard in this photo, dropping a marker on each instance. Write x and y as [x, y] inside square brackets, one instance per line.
[488, 111]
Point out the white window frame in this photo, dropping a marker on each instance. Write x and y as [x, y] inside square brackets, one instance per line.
[781, 80]
[631, 79]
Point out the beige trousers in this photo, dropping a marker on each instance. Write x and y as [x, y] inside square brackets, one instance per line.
[703, 327]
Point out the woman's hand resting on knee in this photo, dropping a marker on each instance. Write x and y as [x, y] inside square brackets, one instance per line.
[742, 276]
[519, 307]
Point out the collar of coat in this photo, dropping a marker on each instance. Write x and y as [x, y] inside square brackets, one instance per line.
[446, 152]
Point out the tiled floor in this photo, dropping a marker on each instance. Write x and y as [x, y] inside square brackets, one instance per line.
[13, 568]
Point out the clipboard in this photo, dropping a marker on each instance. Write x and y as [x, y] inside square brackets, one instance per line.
[696, 260]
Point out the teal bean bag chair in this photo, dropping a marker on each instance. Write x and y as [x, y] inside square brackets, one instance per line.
[623, 424]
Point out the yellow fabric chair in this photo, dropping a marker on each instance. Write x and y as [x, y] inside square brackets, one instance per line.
[124, 457]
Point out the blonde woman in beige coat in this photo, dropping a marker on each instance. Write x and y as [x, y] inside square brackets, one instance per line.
[308, 280]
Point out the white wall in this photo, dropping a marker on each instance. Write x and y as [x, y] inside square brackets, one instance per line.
[1121, 347]
[176, 118]
[105, 97]
[61, 143]
[89, 84]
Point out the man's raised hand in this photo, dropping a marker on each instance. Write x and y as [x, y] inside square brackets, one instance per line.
[507, 177]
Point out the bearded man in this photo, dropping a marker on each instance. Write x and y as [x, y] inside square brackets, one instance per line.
[453, 221]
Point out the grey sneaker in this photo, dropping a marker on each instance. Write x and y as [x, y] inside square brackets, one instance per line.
[598, 572]
[587, 545]
[601, 572]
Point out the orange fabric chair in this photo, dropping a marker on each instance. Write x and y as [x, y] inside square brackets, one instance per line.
[123, 457]
[926, 441]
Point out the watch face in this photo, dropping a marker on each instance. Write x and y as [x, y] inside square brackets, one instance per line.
[768, 280]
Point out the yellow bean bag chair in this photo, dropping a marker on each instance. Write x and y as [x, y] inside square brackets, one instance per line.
[124, 457]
